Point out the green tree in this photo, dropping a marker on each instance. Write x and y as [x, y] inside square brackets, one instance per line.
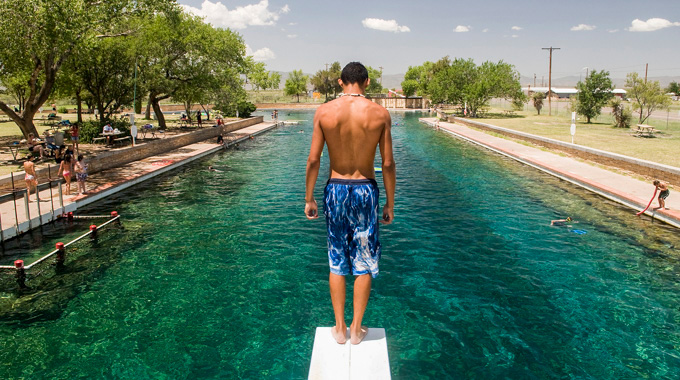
[462, 82]
[334, 72]
[296, 84]
[538, 98]
[178, 55]
[106, 71]
[673, 87]
[321, 82]
[409, 87]
[647, 97]
[593, 94]
[421, 76]
[37, 37]
[260, 78]
[374, 87]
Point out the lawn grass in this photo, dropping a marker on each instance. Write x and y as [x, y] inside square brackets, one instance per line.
[600, 134]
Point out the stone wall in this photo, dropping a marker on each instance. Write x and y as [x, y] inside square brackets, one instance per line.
[650, 169]
[119, 157]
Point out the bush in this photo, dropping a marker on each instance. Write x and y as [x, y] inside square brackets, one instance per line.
[62, 110]
[245, 109]
[622, 114]
[92, 128]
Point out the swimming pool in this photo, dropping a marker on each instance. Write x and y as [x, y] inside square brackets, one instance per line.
[219, 275]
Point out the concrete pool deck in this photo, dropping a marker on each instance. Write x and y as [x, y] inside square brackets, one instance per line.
[110, 181]
[620, 188]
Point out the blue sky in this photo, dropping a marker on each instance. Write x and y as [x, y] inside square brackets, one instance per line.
[620, 36]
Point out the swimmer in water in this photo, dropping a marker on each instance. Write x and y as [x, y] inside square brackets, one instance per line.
[562, 222]
[301, 131]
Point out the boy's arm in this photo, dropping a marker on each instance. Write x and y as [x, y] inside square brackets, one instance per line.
[313, 163]
[389, 171]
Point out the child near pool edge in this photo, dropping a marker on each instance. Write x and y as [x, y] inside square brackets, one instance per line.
[663, 187]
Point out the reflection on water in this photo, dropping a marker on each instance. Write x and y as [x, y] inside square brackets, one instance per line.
[219, 275]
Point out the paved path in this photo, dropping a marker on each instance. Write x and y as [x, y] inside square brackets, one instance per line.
[620, 188]
[106, 183]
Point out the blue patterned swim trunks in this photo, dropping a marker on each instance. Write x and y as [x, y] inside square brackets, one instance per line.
[351, 208]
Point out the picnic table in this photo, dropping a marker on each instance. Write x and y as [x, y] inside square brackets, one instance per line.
[644, 130]
[14, 149]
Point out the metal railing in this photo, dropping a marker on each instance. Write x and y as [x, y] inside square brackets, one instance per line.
[19, 270]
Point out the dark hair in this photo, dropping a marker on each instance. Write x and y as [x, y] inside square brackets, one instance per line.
[354, 72]
[80, 157]
[67, 158]
[656, 182]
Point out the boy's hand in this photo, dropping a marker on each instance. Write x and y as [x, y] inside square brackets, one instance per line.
[388, 215]
[311, 210]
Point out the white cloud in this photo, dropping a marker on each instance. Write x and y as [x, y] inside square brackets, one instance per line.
[582, 27]
[384, 25]
[291, 35]
[292, 23]
[218, 15]
[485, 30]
[613, 30]
[514, 36]
[516, 28]
[650, 25]
[259, 55]
[462, 29]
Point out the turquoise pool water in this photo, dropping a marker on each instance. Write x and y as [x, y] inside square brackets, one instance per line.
[219, 275]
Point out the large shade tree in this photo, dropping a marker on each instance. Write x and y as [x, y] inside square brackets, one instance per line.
[178, 52]
[463, 83]
[296, 84]
[593, 94]
[646, 96]
[38, 36]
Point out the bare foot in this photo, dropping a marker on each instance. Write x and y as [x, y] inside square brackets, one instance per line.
[340, 334]
[358, 336]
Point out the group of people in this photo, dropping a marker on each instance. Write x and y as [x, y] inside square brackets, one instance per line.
[41, 148]
[67, 167]
[63, 156]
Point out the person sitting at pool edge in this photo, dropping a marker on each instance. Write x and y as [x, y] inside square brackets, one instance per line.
[352, 127]
[663, 187]
[562, 222]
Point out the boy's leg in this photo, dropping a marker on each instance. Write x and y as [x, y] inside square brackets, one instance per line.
[362, 291]
[337, 285]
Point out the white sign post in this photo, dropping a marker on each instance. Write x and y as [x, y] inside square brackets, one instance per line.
[573, 126]
[133, 128]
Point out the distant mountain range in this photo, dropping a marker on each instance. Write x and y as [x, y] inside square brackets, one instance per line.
[394, 80]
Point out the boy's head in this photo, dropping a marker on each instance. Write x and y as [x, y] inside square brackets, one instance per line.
[354, 72]
[656, 182]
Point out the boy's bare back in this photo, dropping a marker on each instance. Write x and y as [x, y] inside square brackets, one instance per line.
[352, 127]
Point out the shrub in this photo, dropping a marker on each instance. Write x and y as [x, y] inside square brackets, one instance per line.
[245, 109]
[92, 128]
[622, 114]
[62, 110]
[538, 101]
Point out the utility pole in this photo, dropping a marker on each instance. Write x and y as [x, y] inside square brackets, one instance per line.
[381, 68]
[534, 79]
[550, 79]
[646, 67]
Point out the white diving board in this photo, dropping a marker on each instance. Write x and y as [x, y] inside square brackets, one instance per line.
[366, 360]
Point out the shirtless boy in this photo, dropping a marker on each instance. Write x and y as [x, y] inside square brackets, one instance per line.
[663, 187]
[31, 178]
[352, 127]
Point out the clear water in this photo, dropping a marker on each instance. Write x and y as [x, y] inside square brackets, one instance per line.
[219, 275]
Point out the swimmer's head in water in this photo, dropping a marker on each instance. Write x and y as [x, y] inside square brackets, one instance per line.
[569, 219]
